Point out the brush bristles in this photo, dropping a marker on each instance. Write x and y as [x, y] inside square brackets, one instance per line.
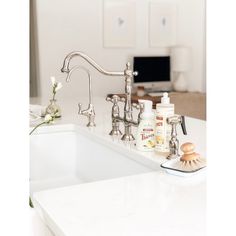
[190, 165]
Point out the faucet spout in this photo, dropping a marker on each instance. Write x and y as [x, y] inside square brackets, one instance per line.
[65, 68]
[89, 77]
[89, 112]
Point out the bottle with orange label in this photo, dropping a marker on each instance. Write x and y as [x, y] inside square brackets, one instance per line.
[146, 129]
[163, 129]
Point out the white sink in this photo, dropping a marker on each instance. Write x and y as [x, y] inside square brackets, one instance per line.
[69, 154]
[62, 155]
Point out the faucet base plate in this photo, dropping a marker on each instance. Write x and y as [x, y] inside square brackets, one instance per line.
[91, 124]
[115, 132]
[172, 156]
[127, 137]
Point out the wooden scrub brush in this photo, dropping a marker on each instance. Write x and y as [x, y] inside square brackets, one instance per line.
[190, 160]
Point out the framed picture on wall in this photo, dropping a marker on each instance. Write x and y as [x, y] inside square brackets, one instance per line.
[119, 23]
[162, 24]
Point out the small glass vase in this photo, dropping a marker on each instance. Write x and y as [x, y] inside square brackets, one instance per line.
[53, 108]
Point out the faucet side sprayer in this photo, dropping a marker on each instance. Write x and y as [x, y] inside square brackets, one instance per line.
[174, 142]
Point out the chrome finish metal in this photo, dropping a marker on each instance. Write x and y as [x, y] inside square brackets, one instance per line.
[65, 68]
[174, 142]
[128, 136]
[139, 107]
[116, 119]
[128, 73]
[89, 112]
[115, 115]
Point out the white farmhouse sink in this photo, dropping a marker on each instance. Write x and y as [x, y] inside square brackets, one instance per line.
[70, 154]
[62, 155]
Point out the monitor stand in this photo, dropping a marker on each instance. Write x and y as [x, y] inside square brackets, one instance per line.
[155, 89]
[158, 89]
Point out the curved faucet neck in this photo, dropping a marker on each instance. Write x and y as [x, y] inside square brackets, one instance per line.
[89, 77]
[68, 58]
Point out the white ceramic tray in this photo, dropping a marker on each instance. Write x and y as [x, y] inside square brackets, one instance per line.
[168, 166]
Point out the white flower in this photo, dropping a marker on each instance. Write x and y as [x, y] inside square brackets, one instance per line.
[59, 86]
[53, 80]
[48, 118]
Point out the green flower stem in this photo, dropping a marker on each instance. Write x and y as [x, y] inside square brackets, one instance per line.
[37, 127]
[54, 90]
[30, 203]
[53, 97]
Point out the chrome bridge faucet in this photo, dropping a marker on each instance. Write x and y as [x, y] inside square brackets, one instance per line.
[128, 113]
[116, 119]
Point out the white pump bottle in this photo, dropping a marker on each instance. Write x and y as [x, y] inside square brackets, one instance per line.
[163, 130]
[146, 129]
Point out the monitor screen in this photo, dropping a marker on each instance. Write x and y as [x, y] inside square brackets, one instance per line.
[152, 69]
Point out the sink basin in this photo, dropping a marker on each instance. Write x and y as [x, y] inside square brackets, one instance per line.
[62, 155]
[68, 154]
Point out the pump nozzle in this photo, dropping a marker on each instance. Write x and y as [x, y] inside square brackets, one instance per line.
[147, 105]
[165, 99]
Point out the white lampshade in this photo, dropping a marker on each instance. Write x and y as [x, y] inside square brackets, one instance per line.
[180, 59]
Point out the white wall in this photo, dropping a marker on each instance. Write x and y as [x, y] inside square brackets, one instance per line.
[67, 25]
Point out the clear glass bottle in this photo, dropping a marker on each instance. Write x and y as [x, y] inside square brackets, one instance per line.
[53, 108]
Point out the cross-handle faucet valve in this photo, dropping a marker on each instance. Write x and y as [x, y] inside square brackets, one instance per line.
[140, 107]
[89, 112]
[115, 114]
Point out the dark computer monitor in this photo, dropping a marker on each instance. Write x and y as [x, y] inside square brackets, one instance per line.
[152, 70]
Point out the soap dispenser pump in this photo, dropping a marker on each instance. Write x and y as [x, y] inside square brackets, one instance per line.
[163, 130]
[146, 129]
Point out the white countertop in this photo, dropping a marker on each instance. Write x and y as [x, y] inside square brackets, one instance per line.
[155, 203]
[147, 204]
[196, 128]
